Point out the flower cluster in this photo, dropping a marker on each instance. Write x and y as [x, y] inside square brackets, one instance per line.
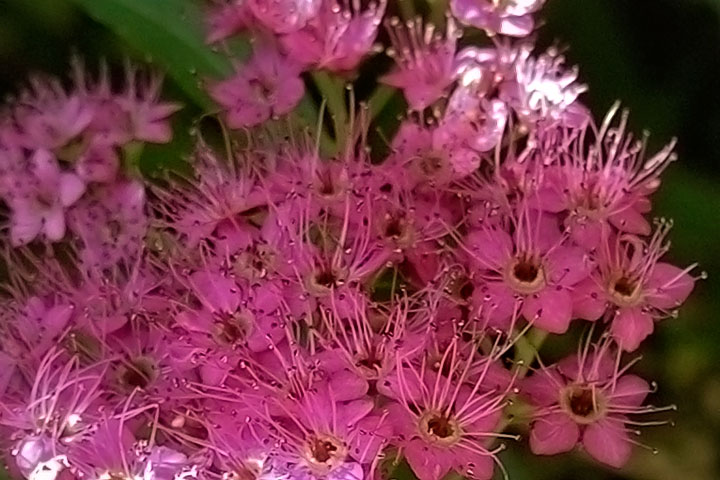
[284, 314]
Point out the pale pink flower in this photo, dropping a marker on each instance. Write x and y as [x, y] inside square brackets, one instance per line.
[284, 16]
[506, 17]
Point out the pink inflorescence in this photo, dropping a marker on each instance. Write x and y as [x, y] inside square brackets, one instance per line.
[283, 314]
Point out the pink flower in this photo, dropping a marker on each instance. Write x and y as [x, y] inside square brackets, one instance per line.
[542, 89]
[425, 61]
[39, 197]
[586, 400]
[512, 17]
[602, 180]
[444, 423]
[637, 286]
[268, 85]
[527, 260]
[338, 38]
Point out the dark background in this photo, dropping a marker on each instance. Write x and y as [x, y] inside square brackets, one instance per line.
[662, 59]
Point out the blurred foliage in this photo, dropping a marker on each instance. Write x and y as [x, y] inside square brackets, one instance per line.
[661, 57]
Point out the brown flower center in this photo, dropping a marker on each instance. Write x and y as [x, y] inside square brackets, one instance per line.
[526, 274]
[625, 290]
[439, 428]
[139, 372]
[583, 403]
[325, 452]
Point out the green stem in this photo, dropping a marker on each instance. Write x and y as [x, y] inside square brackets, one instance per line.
[332, 90]
[307, 114]
[379, 99]
[526, 350]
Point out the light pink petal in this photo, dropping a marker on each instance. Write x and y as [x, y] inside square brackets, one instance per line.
[71, 189]
[25, 225]
[632, 221]
[668, 286]
[630, 327]
[589, 300]
[45, 167]
[553, 434]
[630, 390]
[516, 26]
[550, 310]
[54, 224]
[607, 442]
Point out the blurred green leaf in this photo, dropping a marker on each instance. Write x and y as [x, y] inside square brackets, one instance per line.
[168, 32]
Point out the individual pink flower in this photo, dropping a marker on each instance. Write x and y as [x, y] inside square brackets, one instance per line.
[111, 221]
[526, 266]
[39, 197]
[425, 61]
[603, 180]
[586, 400]
[444, 417]
[338, 38]
[543, 89]
[268, 85]
[512, 17]
[635, 284]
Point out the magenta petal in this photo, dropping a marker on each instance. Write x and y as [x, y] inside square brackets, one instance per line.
[607, 442]
[630, 327]
[217, 292]
[426, 462]
[372, 432]
[553, 434]
[629, 390]
[346, 385]
[589, 301]
[543, 387]
[668, 286]
[491, 248]
[551, 309]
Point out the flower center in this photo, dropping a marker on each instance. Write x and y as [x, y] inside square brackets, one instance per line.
[526, 275]
[233, 329]
[583, 403]
[325, 452]
[140, 373]
[625, 291]
[439, 428]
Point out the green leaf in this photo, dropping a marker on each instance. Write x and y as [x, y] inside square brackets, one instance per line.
[169, 32]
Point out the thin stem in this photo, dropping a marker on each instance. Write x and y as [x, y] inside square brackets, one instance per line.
[379, 99]
[526, 349]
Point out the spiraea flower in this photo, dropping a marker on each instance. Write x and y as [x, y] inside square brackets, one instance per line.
[304, 303]
[587, 399]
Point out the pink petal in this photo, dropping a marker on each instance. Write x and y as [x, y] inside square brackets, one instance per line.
[553, 434]
[568, 265]
[630, 390]
[668, 286]
[550, 310]
[217, 292]
[346, 385]
[373, 432]
[71, 189]
[54, 224]
[25, 225]
[426, 462]
[607, 442]
[632, 221]
[589, 301]
[474, 465]
[543, 387]
[45, 167]
[630, 327]
[491, 247]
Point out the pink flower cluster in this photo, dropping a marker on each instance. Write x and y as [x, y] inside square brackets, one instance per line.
[292, 36]
[282, 315]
